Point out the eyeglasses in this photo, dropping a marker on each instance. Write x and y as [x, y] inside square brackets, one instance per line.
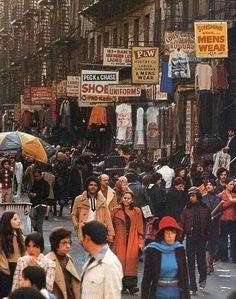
[66, 242]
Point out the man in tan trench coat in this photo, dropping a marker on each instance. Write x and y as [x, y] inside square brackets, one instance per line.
[91, 206]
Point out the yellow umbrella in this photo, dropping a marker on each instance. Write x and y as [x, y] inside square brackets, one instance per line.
[29, 145]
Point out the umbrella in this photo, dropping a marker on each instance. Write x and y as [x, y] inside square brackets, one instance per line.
[27, 144]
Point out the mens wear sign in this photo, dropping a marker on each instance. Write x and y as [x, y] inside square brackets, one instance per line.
[95, 84]
[180, 40]
[145, 65]
[117, 57]
[211, 39]
[124, 91]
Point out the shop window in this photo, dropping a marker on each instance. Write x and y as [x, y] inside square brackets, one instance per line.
[91, 48]
[126, 35]
[106, 40]
[99, 47]
[146, 27]
[114, 37]
[136, 32]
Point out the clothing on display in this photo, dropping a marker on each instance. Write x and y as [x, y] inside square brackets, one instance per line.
[166, 82]
[123, 124]
[65, 114]
[139, 131]
[98, 116]
[220, 77]
[44, 117]
[178, 66]
[153, 130]
[203, 76]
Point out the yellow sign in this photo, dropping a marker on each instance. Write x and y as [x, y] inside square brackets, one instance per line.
[145, 65]
[211, 39]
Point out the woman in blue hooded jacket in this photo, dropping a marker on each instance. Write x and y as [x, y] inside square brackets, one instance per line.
[165, 269]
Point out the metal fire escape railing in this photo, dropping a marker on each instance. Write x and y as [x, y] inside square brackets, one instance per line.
[17, 12]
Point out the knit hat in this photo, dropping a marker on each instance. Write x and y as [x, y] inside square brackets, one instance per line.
[193, 190]
[168, 222]
[212, 182]
[205, 174]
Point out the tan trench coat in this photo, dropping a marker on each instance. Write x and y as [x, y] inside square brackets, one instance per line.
[59, 288]
[80, 214]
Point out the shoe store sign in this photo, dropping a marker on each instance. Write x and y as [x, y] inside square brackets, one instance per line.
[211, 39]
[95, 86]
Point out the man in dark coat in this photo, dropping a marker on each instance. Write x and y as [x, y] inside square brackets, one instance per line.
[157, 195]
[212, 200]
[77, 180]
[196, 223]
[231, 149]
[38, 197]
[176, 199]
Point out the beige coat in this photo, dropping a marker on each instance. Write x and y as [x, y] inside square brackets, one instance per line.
[59, 288]
[110, 199]
[80, 213]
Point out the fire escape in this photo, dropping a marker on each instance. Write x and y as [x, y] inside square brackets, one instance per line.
[59, 24]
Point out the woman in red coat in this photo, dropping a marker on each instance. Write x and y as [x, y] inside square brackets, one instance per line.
[128, 225]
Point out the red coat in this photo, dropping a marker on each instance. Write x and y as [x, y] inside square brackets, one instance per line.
[229, 207]
[127, 252]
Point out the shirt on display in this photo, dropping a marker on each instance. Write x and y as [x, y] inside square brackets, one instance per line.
[220, 77]
[139, 132]
[123, 124]
[203, 76]
[178, 66]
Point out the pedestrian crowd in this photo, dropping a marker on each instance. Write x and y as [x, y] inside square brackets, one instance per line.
[170, 219]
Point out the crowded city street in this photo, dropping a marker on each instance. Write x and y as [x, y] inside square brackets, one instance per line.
[117, 149]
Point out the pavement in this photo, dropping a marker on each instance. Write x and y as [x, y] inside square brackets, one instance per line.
[219, 284]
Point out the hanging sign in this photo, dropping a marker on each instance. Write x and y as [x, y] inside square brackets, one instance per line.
[94, 86]
[145, 65]
[124, 91]
[180, 40]
[73, 86]
[211, 39]
[117, 57]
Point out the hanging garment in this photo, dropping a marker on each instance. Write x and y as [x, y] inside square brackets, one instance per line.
[153, 130]
[221, 160]
[98, 116]
[166, 82]
[123, 124]
[65, 114]
[220, 77]
[178, 66]
[203, 76]
[139, 133]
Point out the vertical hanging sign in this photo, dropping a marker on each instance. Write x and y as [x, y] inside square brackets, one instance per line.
[188, 127]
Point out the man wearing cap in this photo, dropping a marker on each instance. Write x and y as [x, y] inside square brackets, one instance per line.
[212, 200]
[196, 222]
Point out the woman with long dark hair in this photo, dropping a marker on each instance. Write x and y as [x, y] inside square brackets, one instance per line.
[11, 248]
[128, 224]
